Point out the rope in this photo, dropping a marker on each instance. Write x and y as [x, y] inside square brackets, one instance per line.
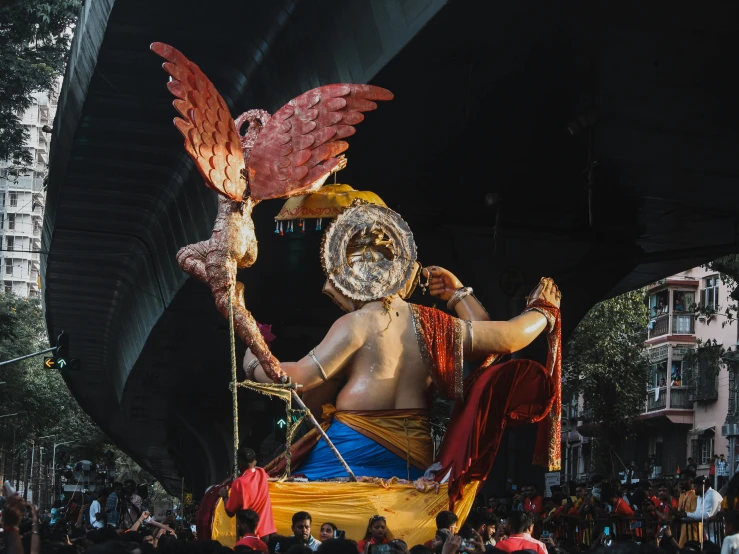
[234, 382]
[284, 393]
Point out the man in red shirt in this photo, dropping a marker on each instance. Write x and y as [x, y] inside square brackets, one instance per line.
[533, 502]
[521, 525]
[621, 508]
[250, 491]
[247, 522]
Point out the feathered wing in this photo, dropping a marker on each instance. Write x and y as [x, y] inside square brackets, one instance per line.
[296, 151]
[210, 135]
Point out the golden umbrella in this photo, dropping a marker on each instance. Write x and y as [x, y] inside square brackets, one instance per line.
[326, 203]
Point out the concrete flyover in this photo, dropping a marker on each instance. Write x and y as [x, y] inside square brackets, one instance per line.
[474, 152]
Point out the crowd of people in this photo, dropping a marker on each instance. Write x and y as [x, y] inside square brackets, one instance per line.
[571, 519]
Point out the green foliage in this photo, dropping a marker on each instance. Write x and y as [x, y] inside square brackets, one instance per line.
[34, 45]
[38, 395]
[706, 357]
[42, 400]
[606, 363]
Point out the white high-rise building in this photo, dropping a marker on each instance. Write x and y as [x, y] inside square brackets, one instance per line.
[22, 204]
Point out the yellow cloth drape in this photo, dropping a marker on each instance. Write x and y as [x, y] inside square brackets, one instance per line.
[403, 432]
[410, 514]
[406, 433]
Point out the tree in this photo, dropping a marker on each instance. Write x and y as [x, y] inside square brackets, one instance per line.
[43, 403]
[606, 363]
[39, 396]
[34, 44]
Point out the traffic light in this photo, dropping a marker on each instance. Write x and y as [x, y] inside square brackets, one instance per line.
[62, 346]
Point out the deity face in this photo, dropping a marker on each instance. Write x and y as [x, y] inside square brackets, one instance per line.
[341, 300]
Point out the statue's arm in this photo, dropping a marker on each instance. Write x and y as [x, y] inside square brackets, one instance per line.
[328, 359]
[443, 284]
[506, 337]
[470, 309]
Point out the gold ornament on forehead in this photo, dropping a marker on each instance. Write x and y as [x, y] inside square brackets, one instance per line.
[369, 253]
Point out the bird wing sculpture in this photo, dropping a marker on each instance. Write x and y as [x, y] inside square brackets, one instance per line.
[287, 154]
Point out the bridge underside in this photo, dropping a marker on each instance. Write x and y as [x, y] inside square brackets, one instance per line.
[474, 152]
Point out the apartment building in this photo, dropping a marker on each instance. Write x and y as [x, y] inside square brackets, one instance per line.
[22, 204]
[691, 409]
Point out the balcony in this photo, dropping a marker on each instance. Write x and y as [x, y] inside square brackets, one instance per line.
[657, 399]
[659, 326]
[673, 397]
[683, 324]
[675, 324]
[680, 398]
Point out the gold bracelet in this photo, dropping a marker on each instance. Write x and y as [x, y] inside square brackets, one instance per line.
[312, 354]
[251, 369]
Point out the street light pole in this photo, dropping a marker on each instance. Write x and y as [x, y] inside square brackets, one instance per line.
[53, 467]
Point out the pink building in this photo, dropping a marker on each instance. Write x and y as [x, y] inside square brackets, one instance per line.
[682, 399]
[685, 412]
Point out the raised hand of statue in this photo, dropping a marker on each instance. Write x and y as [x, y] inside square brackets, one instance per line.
[442, 282]
[546, 290]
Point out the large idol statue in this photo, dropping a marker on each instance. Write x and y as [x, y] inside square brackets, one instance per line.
[380, 361]
[376, 367]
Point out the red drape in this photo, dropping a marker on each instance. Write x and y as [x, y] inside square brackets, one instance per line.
[515, 392]
[519, 391]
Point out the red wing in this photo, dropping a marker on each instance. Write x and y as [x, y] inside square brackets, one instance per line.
[210, 134]
[297, 149]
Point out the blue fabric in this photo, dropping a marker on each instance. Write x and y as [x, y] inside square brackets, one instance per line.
[364, 456]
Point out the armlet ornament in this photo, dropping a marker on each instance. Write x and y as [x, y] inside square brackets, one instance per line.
[312, 354]
[470, 335]
[251, 368]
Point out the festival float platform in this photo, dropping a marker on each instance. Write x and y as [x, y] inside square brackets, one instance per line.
[410, 512]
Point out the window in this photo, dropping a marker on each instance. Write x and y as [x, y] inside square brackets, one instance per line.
[658, 376]
[710, 292]
[702, 449]
[11, 222]
[658, 303]
[9, 243]
[8, 288]
[676, 374]
[8, 266]
[683, 301]
[2, 199]
[2, 220]
[13, 199]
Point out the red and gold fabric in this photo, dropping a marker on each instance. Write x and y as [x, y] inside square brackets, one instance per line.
[494, 396]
